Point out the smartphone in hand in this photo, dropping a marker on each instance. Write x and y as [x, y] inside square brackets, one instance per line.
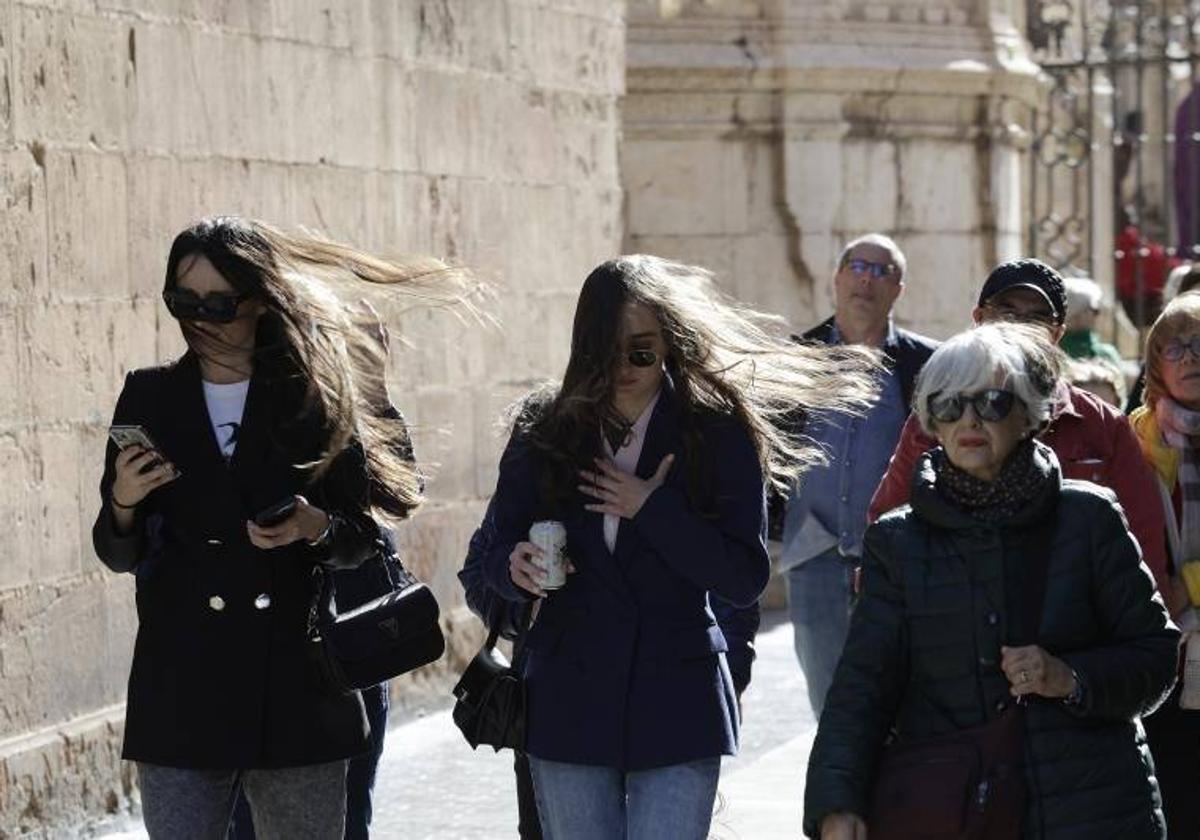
[125, 436]
[276, 513]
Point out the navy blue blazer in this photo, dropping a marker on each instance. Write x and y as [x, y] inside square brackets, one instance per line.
[739, 625]
[626, 664]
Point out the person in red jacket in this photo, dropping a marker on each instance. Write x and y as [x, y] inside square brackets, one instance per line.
[1092, 440]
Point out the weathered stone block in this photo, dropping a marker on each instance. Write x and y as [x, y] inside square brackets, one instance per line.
[88, 213]
[6, 80]
[39, 500]
[438, 419]
[945, 273]
[941, 186]
[82, 371]
[73, 77]
[699, 188]
[871, 189]
[23, 223]
[69, 774]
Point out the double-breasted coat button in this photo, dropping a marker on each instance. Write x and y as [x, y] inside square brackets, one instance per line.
[1001, 705]
[216, 603]
[993, 618]
[262, 601]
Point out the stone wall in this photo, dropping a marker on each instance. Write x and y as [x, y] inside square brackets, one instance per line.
[761, 135]
[482, 131]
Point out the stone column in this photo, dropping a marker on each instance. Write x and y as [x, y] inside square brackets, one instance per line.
[760, 135]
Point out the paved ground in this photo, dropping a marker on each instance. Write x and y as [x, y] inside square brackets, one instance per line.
[433, 787]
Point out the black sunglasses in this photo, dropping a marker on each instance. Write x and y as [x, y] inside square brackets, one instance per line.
[217, 307]
[642, 358]
[992, 405]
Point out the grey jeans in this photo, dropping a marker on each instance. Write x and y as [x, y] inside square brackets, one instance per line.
[289, 803]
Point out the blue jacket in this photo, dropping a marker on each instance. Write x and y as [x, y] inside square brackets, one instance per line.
[738, 624]
[625, 665]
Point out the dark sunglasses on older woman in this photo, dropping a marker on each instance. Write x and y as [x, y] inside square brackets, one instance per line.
[992, 405]
[1174, 349]
[217, 307]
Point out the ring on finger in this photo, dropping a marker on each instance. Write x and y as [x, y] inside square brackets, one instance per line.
[1024, 676]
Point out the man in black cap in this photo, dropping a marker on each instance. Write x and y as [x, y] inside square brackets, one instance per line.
[1024, 290]
[1092, 439]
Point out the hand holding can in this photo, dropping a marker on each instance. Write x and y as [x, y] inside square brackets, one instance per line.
[551, 539]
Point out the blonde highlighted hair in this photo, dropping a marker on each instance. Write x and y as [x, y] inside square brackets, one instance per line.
[1181, 316]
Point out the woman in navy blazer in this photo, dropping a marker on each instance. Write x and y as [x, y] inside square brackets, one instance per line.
[653, 453]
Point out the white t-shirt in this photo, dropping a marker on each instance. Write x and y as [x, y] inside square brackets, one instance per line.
[225, 405]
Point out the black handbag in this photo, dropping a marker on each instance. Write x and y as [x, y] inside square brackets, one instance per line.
[383, 638]
[489, 698]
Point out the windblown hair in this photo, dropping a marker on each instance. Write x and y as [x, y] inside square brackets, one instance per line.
[723, 359]
[1017, 357]
[1181, 317]
[338, 351]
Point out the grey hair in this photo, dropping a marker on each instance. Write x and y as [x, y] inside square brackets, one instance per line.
[878, 239]
[1016, 357]
[1083, 293]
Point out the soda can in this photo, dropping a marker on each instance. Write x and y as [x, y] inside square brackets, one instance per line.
[551, 537]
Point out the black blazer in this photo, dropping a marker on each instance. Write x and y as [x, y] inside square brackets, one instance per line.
[221, 677]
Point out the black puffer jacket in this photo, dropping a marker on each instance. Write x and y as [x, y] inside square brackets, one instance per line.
[924, 648]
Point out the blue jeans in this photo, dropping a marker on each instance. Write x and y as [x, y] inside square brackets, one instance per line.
[584, 802]
[820, 593]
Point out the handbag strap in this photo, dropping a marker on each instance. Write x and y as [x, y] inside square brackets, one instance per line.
[496, 624]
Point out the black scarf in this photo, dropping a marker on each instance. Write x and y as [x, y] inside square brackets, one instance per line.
[996, 501]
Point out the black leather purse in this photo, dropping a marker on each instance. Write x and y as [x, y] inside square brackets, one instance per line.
[489, 703]
[383, 638]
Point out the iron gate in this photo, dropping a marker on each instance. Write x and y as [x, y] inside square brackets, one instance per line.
[1114, 178]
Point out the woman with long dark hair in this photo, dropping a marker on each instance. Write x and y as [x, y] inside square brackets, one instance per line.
[653, 454]
[262, 452]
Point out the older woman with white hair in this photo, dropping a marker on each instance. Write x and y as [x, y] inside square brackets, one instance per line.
[1008, 636]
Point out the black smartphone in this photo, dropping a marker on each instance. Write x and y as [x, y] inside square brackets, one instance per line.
[276, 513]
[125, 436]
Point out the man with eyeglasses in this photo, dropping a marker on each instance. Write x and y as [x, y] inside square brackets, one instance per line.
[1093, 440]
[825, 515]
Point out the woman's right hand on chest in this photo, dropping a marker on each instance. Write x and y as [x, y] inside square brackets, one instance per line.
[134, 481]
[843, 826]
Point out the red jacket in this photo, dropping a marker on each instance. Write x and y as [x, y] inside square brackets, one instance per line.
[1093, 441]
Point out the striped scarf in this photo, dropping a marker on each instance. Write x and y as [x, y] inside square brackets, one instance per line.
[1179, 425]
